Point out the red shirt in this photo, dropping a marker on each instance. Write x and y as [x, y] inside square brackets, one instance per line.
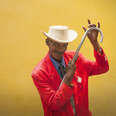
[55, 97]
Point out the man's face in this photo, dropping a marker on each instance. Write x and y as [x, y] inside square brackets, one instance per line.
[56, 49]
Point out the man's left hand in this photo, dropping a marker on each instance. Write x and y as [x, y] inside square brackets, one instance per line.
[92, 35]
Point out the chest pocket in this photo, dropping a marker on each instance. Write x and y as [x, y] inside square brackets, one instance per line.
[81, 80]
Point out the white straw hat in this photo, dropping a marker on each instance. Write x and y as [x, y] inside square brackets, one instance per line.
[61, 34]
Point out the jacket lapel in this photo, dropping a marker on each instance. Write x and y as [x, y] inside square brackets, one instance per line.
[54, 77]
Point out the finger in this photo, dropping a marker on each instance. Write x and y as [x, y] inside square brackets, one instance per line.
[98, 24]
[89, 22]
[84, 28]
[91, 25]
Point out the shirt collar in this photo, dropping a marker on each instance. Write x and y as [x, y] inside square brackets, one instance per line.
[56, 64]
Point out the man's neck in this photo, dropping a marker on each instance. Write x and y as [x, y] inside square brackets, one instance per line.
[57, 59]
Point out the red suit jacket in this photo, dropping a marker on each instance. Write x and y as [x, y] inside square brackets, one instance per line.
[55, 97]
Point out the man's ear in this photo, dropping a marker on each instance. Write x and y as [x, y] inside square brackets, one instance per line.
[47, 42]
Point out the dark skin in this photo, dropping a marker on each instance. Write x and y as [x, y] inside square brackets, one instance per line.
[57, 50]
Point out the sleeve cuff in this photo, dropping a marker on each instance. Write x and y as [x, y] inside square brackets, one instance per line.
[100, 58]
[99, 53]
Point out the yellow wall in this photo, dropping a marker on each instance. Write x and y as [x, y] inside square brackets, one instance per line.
[22, 46]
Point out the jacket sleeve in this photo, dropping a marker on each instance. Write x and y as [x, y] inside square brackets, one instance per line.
[99, 66]
[53, 99]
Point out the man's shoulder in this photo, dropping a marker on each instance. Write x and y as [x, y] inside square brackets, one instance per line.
[41, 67]
[71, 54]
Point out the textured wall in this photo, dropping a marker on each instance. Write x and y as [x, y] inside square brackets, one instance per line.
[22, 46]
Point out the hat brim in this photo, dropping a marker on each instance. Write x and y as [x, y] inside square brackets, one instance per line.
[72, 35]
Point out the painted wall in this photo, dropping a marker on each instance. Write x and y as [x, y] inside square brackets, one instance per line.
[22, 46]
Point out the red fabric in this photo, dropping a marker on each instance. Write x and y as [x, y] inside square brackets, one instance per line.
[56, 96]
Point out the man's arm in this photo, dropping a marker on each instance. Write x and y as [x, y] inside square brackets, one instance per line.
[54, 99]
[101, 64]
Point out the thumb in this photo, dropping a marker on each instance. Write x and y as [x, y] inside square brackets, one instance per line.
[84, 28]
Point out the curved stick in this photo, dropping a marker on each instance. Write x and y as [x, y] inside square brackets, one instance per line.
[82, 40]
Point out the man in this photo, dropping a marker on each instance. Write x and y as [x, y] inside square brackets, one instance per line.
[65, 92]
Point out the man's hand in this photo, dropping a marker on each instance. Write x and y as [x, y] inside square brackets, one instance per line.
[92, 35]
[69, 73]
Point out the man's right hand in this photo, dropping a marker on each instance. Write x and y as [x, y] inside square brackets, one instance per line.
[69, 73]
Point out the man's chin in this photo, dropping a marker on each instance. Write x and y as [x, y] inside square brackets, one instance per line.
[58, 56]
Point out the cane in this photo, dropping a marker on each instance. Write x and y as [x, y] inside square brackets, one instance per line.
[82, 40]
[74, 59]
